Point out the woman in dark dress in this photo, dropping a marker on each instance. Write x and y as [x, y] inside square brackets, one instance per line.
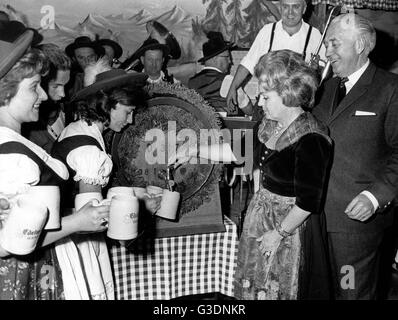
[282, 251]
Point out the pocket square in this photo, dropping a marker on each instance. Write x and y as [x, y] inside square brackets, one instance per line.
[364, 113]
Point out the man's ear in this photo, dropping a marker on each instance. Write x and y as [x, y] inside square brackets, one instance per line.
[305, 6]
[360, 45]
[142, 59]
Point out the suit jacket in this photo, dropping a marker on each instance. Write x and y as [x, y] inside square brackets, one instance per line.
[365, 148]
[208, 83]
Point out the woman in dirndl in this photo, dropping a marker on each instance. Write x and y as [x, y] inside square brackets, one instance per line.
[107, 102]
[23, 164]
[283, 250]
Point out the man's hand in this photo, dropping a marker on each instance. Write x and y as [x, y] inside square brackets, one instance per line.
[360, 208]
[232, 99]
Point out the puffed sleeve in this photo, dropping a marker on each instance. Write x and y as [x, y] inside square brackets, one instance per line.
[92, 165]
[312, 165]
[17, 173]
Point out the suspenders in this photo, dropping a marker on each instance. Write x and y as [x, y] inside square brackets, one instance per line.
[307, 40]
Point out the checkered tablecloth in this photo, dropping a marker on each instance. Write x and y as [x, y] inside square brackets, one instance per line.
[167, 268]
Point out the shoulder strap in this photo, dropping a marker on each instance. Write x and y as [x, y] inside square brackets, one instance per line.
[62, 148]
[47, 175]
[271, 40]
[307, 40]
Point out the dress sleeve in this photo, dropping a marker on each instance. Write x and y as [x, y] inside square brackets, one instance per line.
[17, 173]
[92, 165]
[312, 165]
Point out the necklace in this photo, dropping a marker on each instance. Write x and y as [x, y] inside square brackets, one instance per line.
[278, 130]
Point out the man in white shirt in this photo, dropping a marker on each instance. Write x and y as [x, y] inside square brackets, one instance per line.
[291, 32]
[360, 107]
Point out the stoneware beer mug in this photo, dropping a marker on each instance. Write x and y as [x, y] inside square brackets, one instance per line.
[169, 205]
[139, 192]
[123, 217]
[154, 191]
[82, 198]
[23, 226]
[50, 197]
[119, 190]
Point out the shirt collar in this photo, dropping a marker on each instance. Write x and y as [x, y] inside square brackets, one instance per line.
[212, 68]
[280, 27]
[155, 80]
[354, 77]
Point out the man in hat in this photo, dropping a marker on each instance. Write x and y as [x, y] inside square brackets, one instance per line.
[152, 55]
[159, 32]
[218, 61]
[291, 32]
[82, 51]
[112, 50]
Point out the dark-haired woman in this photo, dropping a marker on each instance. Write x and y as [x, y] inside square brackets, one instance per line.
[106, 103]
[52, 115]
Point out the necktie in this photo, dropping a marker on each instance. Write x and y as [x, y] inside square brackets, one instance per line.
[341, 92]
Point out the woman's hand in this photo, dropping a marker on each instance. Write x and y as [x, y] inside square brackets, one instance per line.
[152, 204]
[269, 242]
[91, 218]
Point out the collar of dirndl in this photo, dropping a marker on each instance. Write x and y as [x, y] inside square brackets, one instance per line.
[304, 124]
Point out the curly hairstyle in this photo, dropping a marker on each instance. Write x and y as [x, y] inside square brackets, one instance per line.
[98, 106]
[285, 72]
[58, 60]
[32, 63]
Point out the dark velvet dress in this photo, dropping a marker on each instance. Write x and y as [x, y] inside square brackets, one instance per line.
[295, 173]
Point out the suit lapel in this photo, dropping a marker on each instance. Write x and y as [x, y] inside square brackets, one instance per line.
[355, 93]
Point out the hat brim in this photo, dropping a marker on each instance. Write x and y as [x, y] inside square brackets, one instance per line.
[228, 47]
[17, 50]
[115, 46]
[70, 49]
[133, 79]
[155, 46]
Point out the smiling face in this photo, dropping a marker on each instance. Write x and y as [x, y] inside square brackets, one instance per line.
[121, 116]
[343, 49]
[24, 106]
[56, 87]
[292, 12]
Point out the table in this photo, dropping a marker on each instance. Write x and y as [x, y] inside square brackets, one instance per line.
[167, 268]
[238, 123]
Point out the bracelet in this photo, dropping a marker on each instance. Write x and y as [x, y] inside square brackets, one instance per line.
[282, 232]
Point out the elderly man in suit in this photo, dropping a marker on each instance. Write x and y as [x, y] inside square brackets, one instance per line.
[360, 106]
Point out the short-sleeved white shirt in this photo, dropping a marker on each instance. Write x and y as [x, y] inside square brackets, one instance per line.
[282, 40]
